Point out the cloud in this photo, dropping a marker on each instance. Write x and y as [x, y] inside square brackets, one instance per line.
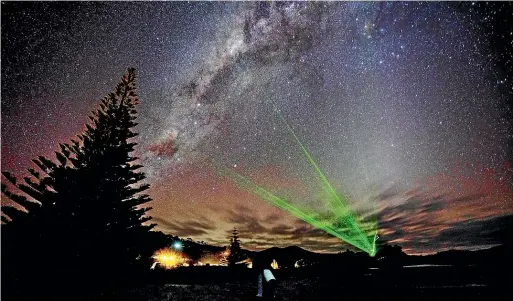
[271, 218]
[315, 244]
[434, 221]
[302, 230]
[187, 228]
[272, 230]
[246, 222]
[422, 219]
[494, 230]
[472, 234]
[281, 229]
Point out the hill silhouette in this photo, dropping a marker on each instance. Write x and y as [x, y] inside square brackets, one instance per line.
[288, 256]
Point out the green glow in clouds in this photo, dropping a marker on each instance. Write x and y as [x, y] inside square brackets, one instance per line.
[343, 213]
[342, 222]
[348, 233]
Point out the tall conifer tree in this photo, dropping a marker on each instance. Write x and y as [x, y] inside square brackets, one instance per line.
[235, 249]
[82, 213]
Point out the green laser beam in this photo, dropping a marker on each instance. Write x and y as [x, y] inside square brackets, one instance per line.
[355, 240]
[343, 223]
[336, 202]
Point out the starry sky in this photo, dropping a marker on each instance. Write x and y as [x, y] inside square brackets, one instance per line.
[405, 106]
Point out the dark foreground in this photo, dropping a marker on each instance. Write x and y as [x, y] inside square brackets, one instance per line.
[295, 290]
[219, 283]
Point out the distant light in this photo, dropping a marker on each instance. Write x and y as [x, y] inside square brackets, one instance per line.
[168, 259]
[274, 264]
[177, 245]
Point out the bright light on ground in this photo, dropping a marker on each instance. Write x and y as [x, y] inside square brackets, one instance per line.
[168, 258]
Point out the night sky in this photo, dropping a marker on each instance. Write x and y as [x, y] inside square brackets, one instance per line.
[407, 107]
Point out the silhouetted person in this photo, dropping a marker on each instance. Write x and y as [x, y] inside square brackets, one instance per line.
[266, 282]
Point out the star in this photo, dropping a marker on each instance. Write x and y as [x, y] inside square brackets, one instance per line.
[402, 93]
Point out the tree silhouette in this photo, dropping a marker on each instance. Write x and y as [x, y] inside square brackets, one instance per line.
[389, 251]
[81, 214]
[235, 250]
[390, 257]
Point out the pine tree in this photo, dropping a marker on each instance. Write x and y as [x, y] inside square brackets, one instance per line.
[82, 213]
[235, 249]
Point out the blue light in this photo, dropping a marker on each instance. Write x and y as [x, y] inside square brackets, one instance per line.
[177, 245]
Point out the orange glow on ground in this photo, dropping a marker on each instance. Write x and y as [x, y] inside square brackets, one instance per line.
[169, 259]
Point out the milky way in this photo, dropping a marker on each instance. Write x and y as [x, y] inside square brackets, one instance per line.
[403, 105]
